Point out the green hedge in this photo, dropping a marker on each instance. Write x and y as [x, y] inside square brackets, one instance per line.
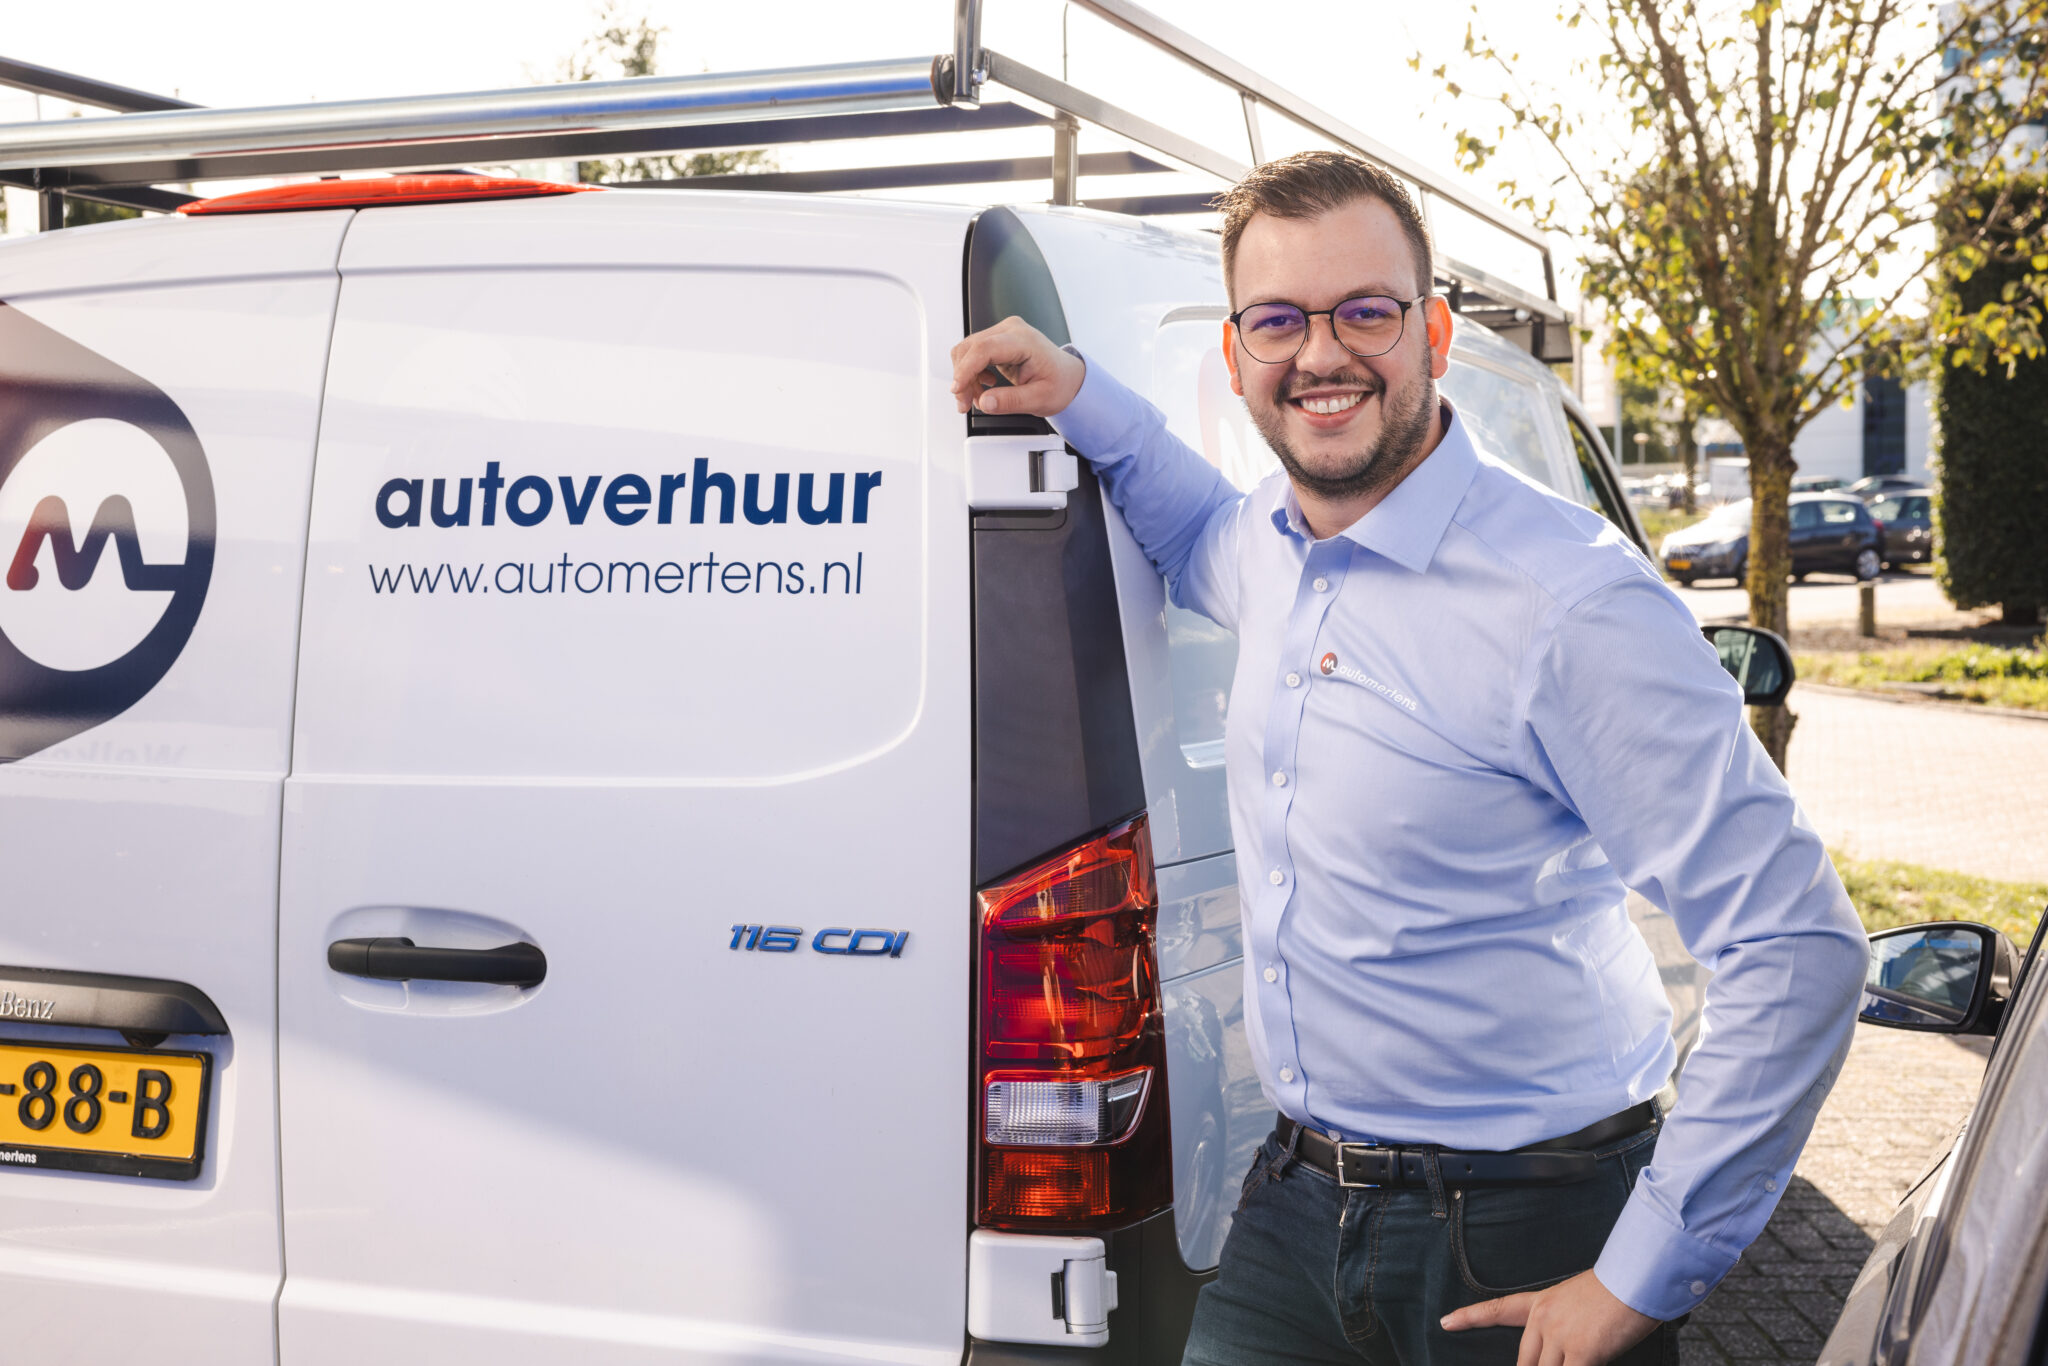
[1992, 512]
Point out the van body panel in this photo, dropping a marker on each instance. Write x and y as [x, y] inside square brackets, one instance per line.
[155, 253]
[717, 1130]
[180, 372]
[1220, 1116]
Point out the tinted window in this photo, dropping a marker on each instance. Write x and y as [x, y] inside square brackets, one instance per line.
[1805, 516]
[1916, 509]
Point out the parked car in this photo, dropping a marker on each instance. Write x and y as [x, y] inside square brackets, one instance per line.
[1874, 486]
[1906, 526]
[1831, 533]
[1816, 483]
[1712, 548]
[509, 950]
[1960, 1275]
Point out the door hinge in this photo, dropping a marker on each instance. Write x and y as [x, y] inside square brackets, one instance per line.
[1025, 1287]
[1019, 473]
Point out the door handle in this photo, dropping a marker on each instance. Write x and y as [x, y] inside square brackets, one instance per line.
[400, 960]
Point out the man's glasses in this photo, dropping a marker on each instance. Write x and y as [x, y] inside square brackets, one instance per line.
[1367, 326]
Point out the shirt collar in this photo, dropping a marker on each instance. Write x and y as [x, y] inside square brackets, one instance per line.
[1408, 524]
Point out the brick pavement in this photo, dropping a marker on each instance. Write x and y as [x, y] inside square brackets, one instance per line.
[1899, 1098]
[1922, 784]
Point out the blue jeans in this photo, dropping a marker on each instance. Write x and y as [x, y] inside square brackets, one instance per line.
[1314, 1273]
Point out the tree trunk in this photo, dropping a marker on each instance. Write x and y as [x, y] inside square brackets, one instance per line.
[1689, 452]
[1770, 567]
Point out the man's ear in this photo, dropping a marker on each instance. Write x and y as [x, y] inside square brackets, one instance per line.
[1436, 313]
[1230, 356]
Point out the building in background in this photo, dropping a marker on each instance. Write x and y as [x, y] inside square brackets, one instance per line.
[1885, 430]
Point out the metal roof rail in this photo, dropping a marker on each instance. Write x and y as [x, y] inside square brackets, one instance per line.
[153, 140]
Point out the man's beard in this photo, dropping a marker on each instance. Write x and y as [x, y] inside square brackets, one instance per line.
[1405, 417]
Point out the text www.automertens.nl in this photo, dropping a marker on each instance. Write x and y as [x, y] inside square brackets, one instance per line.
[537, 578]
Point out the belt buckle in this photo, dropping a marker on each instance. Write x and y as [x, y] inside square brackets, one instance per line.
[1346, 1182]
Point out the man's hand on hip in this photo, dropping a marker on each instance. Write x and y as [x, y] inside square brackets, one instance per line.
[1043, 378]
[1577, 1322]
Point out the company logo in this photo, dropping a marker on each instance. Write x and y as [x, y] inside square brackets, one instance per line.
[1331, 667]
[93, 459]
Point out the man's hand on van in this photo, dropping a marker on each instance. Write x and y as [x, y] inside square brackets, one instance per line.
[1043, 378]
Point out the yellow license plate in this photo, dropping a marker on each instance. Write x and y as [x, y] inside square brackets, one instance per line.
[1680, 564]
[128, 1111]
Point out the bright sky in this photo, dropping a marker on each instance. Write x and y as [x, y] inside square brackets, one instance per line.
[1349, 59]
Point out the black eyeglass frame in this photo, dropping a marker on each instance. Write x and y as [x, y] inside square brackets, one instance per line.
[1308, 316]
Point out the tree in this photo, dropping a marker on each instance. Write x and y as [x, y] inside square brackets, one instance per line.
[1756, 222]
[1993, 423]
[623, 48]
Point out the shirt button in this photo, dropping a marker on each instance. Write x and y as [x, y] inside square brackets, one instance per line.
[1272, 974]
[1276, 877]
[1294, 680]
[1770, 1185]
[1699, 1287]
[1322, 585]
[1287, 1074]
[1279, 780]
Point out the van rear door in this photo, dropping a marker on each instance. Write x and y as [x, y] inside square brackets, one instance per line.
[159, 396]
[636, 632]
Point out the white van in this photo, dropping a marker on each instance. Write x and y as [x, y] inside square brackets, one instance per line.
[559, 804]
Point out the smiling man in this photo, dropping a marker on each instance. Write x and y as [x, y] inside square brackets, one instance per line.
[1467, 717]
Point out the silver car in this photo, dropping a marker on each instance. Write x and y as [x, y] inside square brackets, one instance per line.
[1960, 1275]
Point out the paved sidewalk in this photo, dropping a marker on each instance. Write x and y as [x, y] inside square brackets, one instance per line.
[1899, 1098]
[1922, 784]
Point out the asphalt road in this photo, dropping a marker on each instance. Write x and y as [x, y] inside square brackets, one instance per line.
[1902, 595]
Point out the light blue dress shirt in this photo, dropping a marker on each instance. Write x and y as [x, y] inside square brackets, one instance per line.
[1458, 730]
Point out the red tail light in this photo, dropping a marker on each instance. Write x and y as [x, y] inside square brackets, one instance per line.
[1070, 1105]
[377, 191]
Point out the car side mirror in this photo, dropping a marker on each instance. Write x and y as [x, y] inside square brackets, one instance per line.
[1949, 977]
[1760, 660]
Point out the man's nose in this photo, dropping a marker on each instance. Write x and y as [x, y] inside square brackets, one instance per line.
[1321, 353]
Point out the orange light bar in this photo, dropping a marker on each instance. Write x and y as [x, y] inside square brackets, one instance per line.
[378, 192]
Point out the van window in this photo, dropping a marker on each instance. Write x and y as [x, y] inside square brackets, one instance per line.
[1505, 415]
[1594, 489]
[1191, 383]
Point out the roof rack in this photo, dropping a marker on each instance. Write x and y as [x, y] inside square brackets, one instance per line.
[153, 141]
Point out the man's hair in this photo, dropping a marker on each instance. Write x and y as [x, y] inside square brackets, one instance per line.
[1309, 184]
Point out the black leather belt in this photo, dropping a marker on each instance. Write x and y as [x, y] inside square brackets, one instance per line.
[1554, 1162]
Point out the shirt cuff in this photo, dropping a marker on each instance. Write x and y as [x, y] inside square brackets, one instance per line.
[1099, 421]
[1656, 1269]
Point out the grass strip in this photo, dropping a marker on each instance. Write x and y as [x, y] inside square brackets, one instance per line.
[1888, 894]
[1976, 673]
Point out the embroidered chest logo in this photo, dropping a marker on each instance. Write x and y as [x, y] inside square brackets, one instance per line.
[1331, 667]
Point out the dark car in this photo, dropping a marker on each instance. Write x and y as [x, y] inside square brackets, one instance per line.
[1872, 487]
[1906, 526]
[1831, 533]
[1961, 1273]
